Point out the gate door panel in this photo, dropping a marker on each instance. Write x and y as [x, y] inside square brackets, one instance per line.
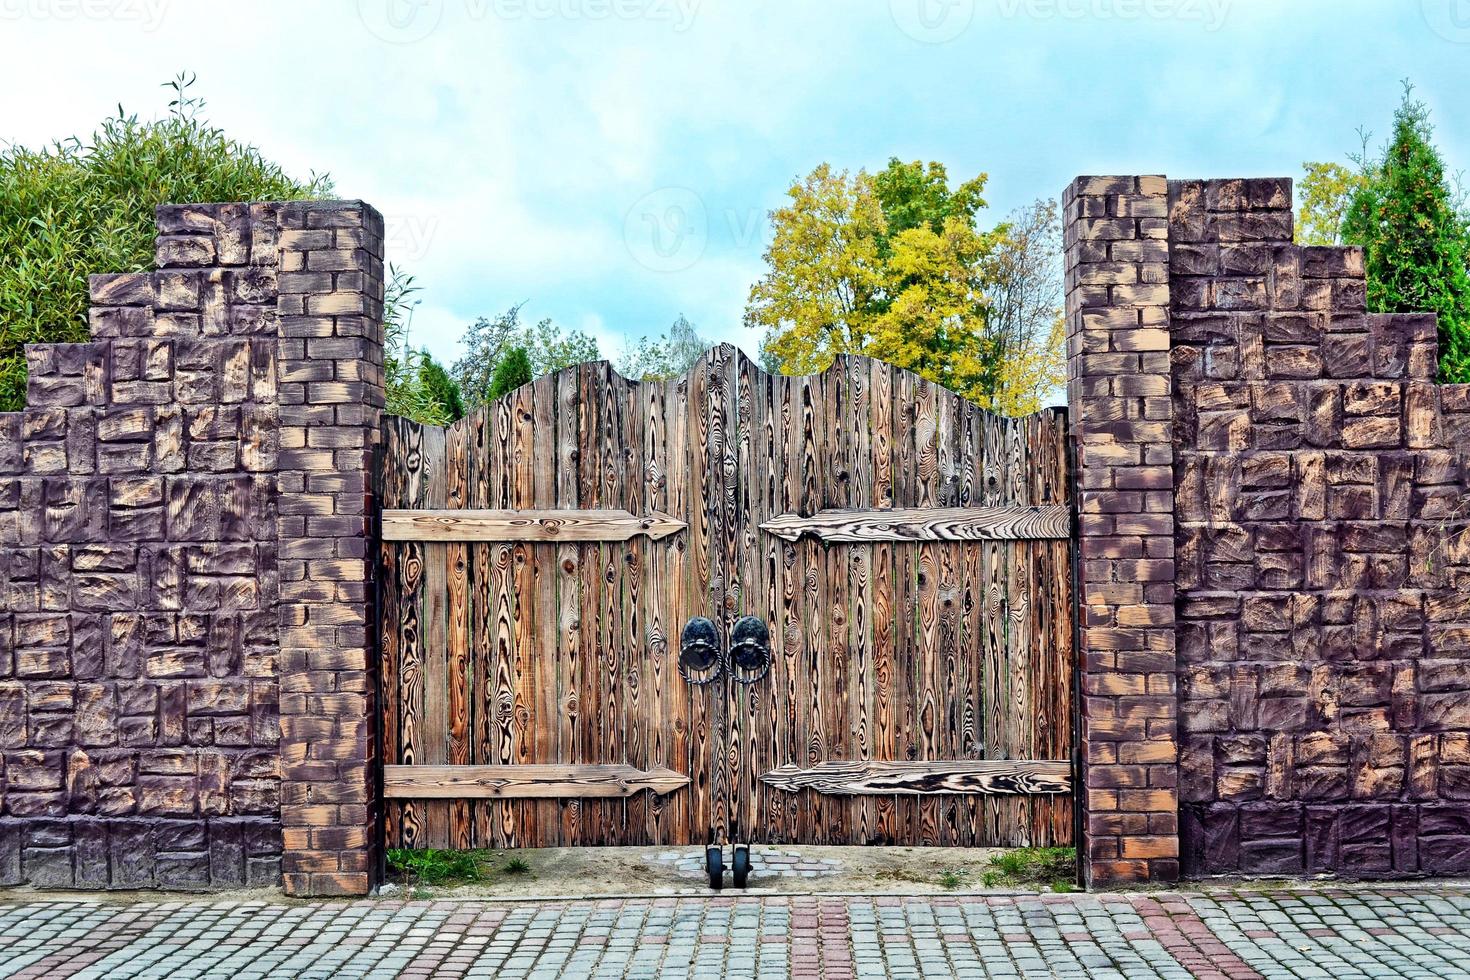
[909, 554]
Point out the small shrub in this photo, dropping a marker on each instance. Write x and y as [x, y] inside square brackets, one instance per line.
[517, 866]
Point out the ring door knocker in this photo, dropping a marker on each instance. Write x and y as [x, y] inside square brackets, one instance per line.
[750, 650]
[699, 652]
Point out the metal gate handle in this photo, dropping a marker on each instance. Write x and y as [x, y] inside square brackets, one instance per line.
[750, 650]
[699, 651]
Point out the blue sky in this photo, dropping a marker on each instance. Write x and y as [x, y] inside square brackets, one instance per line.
[611, 162]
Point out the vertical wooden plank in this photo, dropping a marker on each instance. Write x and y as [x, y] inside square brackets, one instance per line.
[590, 463]
[907, 694]
[947, 652]
[767, 464]
[568, 596]
[745, 724]
[676, 572]
[814, 604]
[501, 493]
[837, 714]
[632, 679]
[456, 475]
[658, 667]
[792, 628]
[857, 427]
[611, 641]
[926, 659]
[972, 615]
[544, 721]
[885, 614]
[705, 757]
[723, 594]
[995, 673]
[1019, 631]
[435, 633]
[390, 494]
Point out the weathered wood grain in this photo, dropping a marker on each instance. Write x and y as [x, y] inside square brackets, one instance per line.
[915, 575]
[926, 524]
[930, 778]
[611, 524]
[527, 782]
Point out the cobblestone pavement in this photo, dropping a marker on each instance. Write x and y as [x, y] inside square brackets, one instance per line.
[1340, 933]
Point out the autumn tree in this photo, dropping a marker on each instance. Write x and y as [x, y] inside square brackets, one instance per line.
[1325, 193]
[895, 266]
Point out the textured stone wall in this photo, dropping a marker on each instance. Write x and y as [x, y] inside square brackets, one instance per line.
[141, 595]
[1117, 257]
[1323, 576]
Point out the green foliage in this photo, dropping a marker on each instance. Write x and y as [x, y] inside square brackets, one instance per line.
[1415, 237]
[1053, 867]
[79, 207]
[517, 866]
[489, 339]
[432, 866]
[417, 387]
[915, 196]
[440, 387]
[513, 371]
[666, 356]
[1324, 194]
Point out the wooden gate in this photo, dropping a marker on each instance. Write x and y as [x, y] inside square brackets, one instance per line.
[910, 553]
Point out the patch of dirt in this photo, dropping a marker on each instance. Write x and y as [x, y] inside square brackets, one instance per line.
[593, 871]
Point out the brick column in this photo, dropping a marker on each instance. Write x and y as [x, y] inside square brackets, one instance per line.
[331, 393]
[1118, 392]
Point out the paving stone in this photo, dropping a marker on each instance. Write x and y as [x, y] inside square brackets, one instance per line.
[1333, 932]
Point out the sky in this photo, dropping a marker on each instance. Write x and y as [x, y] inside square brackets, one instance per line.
[611, 163]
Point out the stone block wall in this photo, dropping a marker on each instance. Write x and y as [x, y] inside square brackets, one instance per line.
[145, 580]
[1323, 566]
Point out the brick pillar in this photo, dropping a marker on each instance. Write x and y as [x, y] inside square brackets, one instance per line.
[1118, 392]
[331, 393]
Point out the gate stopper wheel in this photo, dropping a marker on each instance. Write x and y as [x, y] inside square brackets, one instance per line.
[740, 867]
[714, 863]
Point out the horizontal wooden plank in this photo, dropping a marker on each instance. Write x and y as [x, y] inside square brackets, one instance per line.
[944, 776]
[927, 524]
[524, 525]
[526, 782]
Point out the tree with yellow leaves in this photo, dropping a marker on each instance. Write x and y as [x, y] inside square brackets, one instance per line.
[894, 266]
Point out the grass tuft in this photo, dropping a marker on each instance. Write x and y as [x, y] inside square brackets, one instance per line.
[1052, 867]
[433, 866]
